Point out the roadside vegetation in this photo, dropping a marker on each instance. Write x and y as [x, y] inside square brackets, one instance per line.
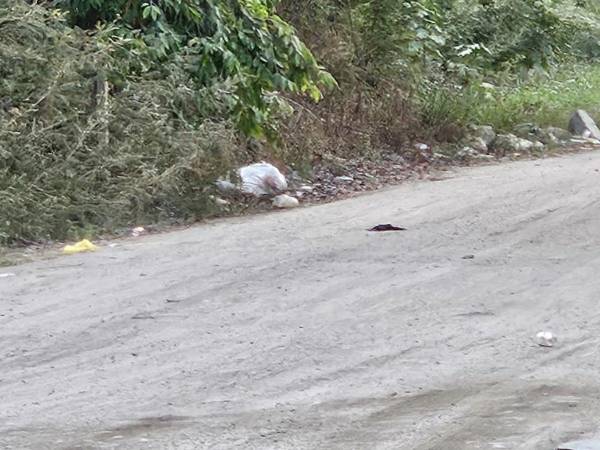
[118, 112]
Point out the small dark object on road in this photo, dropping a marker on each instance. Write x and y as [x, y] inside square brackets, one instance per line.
[387, 227]
[468, 257]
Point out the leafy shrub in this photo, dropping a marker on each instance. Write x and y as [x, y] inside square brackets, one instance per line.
[243, 45]
[508, 35]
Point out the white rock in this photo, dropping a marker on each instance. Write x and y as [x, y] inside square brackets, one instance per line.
[441, 157]
[557, 133]
[285, 201]
[343, 179]
[524, 145]
[478, 144]
[512, 143]
[466, 153]
[538, 146]
[481, 157]
[137, 231]
[545, 339]
[484, 132]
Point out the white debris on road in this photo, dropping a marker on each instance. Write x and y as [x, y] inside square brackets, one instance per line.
[545, 339]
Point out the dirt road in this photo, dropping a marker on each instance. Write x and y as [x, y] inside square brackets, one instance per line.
[302, 330]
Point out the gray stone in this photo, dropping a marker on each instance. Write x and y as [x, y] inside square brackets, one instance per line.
[485, 132]
[481, 157]
[527, 130]
[548, 137]
[559, 133]
[582, 124]
[437, 156]
[512, 143]
[466, 153]
[584, 140]
[477, 143]
[226, 187]
[523, 145]
[538, 148]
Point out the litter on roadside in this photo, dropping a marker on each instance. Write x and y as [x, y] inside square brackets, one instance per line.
[262, 179]
[81, 246]
[137, 231]
[545, 339]
[386, 227]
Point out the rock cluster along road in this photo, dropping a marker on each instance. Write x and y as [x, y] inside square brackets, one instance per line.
[302, 330]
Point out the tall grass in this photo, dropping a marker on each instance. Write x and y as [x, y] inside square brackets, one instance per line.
[546, 100]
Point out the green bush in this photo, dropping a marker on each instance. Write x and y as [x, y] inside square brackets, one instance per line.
[242, 45]
[507, 35]
[77, 158]
[547, 100]
[116, 112]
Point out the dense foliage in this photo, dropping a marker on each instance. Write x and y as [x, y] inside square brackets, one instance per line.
[243, 46]
[132, 108]
[78, 157]
[450, 58]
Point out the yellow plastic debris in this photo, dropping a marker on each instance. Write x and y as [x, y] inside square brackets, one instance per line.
[81, 246]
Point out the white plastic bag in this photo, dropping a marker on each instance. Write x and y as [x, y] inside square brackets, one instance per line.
[262, 179]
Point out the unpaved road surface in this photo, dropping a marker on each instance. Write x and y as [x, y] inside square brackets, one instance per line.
[302, 330]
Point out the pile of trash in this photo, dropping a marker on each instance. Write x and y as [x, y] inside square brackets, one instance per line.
[338, 178]
[334, 179]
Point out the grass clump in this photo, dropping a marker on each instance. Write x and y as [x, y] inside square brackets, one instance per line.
[548, 99]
